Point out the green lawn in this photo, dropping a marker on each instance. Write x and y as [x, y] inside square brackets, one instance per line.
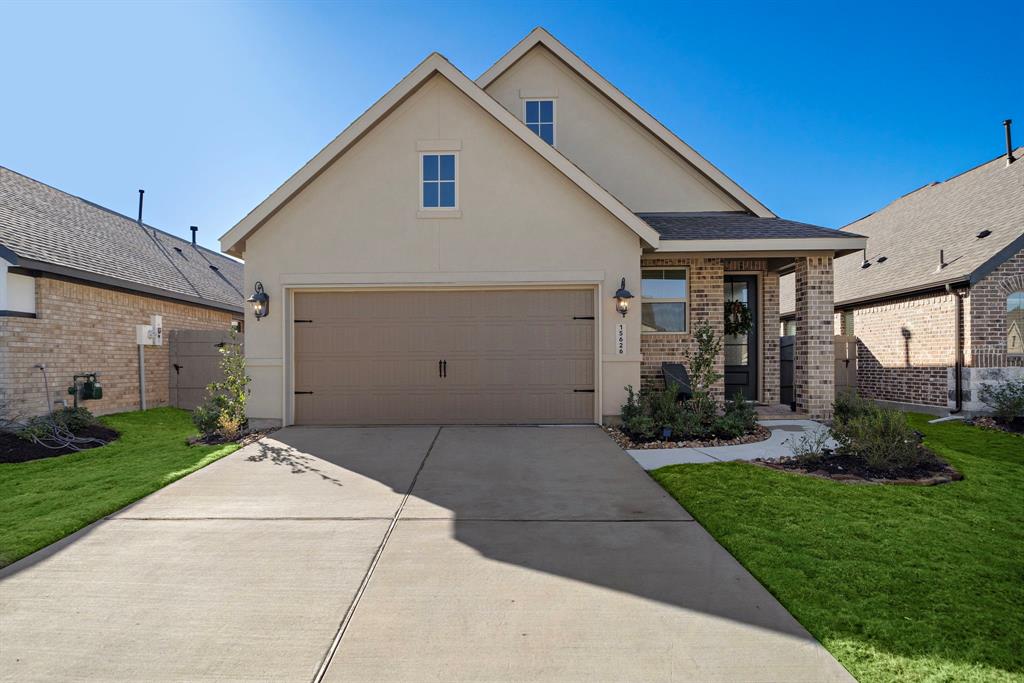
[42, 501]
[900, 583]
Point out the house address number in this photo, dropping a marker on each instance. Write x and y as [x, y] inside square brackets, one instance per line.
[620, 339]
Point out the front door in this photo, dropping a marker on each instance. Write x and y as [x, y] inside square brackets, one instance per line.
[741, 349]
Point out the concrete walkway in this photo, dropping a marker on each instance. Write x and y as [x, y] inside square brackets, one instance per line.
[778, 445]
[402, 554]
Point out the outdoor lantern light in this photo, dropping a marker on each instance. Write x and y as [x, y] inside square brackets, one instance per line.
[622, 298]
[260, 301]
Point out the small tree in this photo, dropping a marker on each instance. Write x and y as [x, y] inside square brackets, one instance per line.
[223, 412]
[703, 373]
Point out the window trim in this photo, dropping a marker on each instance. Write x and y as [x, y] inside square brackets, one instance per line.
[673, 300]
[434, 153]
[1011, 354]
[554, 116]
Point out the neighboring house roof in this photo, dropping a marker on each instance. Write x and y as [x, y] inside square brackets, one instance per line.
[539, 36]
[714, 227]
[947, 215]
[43, 228]
[231, 241]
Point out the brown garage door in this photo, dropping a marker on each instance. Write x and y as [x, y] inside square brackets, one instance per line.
[445, 357]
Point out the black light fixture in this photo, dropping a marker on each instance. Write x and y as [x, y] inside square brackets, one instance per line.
[260, 301]
[622, 297]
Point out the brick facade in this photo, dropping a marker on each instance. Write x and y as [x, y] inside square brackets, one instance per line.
[814, 366]
[84, 328]
[904, 348]
[985, 342]
[706, 288]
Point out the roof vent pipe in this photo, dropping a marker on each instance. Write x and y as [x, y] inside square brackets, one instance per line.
[194, 229]
[942, 259]
[141, 192]
[1009, 142]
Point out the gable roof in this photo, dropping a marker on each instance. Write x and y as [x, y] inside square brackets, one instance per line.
[722, 226]
[45, 229]
[233, 240]
[540, 36]
[946, 215]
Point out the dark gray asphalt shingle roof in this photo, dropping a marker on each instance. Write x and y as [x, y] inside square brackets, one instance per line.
[910, 231]
[42, 224]
[719, 225]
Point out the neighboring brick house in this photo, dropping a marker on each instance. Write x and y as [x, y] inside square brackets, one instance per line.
[950, 244]
[76, 279]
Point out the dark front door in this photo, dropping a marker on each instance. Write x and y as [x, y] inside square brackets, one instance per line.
[741, 349]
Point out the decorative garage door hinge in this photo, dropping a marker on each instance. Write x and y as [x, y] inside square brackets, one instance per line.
[303, 392]
[582, 391]
[303, 321]
[583, 317]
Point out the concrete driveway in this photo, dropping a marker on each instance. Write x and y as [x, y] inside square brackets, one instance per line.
[402, 554]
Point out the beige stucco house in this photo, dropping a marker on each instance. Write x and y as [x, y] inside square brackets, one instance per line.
[453, 255]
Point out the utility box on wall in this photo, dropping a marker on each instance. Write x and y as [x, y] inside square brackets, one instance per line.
[152, 334]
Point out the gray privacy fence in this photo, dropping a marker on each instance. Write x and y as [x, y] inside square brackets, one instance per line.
[846, 366]
[194, 363]
[787, 349]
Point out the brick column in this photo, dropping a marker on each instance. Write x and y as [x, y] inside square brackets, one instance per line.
[814, 368]
[770, 337]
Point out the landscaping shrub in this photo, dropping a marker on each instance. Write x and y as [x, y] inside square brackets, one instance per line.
[740, 418]
[810, 447]
[222, 415]
[882, 438]
[646, 414]
[70, 419]
[1006, 400]
[849, 405]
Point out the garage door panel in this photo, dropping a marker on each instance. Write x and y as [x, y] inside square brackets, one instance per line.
[357, 373]
[513, 356]
[513, 373]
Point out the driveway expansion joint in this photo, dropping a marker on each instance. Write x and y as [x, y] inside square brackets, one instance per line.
[325, 663]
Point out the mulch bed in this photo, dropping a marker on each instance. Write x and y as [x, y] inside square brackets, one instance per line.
[1014, 427]
[625, 442]
[15, 449]
[850, 469]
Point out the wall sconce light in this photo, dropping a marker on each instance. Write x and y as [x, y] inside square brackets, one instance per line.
[260, 301]
[622, 298]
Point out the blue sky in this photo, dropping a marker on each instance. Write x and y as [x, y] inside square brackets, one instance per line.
[823, 111]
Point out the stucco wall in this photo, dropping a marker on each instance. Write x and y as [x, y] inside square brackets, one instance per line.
[82, 328]
[357, 225]
[605, 141]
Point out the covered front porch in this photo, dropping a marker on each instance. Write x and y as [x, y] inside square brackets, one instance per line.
[707, 260]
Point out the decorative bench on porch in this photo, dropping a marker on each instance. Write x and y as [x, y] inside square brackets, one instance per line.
[676, 373]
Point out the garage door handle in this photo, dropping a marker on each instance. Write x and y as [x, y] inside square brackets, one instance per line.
[445, 366]
[439, 368]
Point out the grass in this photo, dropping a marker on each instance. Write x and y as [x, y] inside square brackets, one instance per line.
[42, 501]
[900, 583]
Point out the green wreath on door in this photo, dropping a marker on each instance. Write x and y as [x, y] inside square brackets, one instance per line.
[737, 318]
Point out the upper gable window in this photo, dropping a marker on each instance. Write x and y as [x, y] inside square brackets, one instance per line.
[438, 181]
[540, 118]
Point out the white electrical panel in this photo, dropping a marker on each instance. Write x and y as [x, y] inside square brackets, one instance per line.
[152, 334]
